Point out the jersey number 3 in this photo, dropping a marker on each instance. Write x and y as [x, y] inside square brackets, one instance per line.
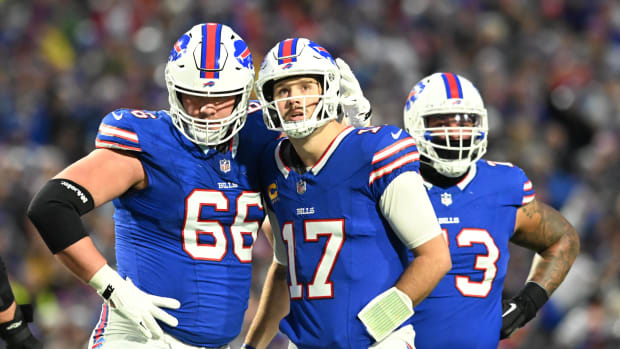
[194, 225]
[485, 263]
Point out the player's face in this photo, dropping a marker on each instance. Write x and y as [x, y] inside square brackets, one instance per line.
[452, 120]
[293, 94]
[211, 108]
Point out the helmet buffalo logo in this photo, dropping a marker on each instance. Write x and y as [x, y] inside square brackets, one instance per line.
[413, 95]
[323, 52]
[179, 48]
[288, 65]
[243, 55]
[208, 83]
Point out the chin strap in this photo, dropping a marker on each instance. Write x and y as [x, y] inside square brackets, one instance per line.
[432, 176]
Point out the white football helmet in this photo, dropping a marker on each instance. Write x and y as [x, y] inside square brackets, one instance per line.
[209, 60]
[298, 57]
[451, 150]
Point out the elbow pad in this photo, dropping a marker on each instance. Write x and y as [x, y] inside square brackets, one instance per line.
[55, 211]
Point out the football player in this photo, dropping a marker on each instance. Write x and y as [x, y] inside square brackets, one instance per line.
[481, 206]
[14, 318]
[188, 208]
[346, 206]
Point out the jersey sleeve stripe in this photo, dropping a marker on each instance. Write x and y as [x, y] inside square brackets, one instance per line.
[387, 169]
[112, 131]
[393, 149]
[113, 145]
[529, 193]
[528, 199]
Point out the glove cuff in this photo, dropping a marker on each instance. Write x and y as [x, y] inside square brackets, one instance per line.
[104, 280]
[535, 296]
[16, 330]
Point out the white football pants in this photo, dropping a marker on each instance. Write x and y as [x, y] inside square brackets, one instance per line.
[401, 339]
[113, 331]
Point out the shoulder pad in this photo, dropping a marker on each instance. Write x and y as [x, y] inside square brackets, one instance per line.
[120, 129]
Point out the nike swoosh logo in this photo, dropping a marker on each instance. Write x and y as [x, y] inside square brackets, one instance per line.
[397, 134]
[117, 116]
[510, 310]
[13, 326]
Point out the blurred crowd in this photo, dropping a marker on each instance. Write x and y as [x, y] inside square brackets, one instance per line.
[549, 71]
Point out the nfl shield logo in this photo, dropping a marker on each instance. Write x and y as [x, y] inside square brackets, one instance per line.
[225, 165]
[446, 199]
[301, 187]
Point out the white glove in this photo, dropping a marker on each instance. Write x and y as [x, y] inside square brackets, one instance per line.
[384, 313]
[139, 307]
[356, 107]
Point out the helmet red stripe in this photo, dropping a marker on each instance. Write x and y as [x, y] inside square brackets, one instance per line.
[453, 85]
[210, 50]
[287, 48]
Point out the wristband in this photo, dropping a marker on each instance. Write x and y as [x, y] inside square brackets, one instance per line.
[534, 296]
[386, 312]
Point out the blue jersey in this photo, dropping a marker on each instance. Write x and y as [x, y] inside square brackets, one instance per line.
[189, 234]
[341, 252]
[477, 217]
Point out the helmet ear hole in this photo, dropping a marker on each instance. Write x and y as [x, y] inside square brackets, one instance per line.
[179, 97]
[268, 90]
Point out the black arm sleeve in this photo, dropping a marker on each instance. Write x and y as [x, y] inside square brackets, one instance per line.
[6, 294]
[55, 211]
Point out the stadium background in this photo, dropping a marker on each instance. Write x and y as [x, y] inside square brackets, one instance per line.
[548, 71]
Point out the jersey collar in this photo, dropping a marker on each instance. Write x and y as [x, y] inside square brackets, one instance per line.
[230, 146]
[471, 174]
[285, 170]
